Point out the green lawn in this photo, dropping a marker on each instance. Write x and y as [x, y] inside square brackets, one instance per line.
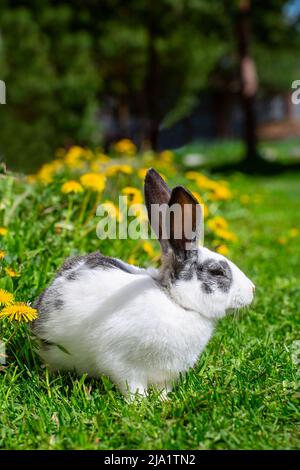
[244, 392]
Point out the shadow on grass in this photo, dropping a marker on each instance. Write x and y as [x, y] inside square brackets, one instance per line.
[257, 166]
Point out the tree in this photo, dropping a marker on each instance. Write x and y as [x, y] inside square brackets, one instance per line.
[51, 82]
[248, 77]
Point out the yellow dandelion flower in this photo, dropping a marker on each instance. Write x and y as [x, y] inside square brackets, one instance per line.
[293, 232]
[205, 210]
[11, 272]
[93, 181]
[97, 164]
[225, 234]
[197, 196]
[3, 231]
[115, 169]
[202, 181]
[200, 200]
[102, 158]
[2, 254]
[19, 311]
[221, 193]
[71, 187]
[282, 240]
[167, 156]
[223, 250]
[74, 156]
[125, 146]
[192, 175]
[6, 298]
[217, 222]
[142, 173]
[131, 259]
[134, 195]
[45, 174]
[75, 152]
[112, 210]
[148, 248]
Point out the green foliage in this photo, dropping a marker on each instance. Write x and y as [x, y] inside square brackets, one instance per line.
[51, 83]
[61, 62]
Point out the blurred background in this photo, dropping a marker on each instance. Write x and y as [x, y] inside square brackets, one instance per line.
[173, 74]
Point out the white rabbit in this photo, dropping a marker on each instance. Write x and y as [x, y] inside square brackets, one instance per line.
[140, 327]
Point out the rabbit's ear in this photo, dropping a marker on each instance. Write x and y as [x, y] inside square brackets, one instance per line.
[186, 221]
[157, 196]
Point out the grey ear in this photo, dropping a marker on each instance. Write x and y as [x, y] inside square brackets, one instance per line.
[157, 193]
[186, 221]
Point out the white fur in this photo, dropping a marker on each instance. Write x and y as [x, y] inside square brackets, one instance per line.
[126, 326]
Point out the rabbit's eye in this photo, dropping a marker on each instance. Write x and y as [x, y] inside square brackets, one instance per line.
[216, 271]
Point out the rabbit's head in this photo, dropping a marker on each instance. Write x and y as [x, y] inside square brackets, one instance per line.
[196, 278]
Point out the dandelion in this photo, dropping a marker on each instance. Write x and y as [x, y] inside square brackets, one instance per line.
[102, 158]
[197, 196]
[3, 231]
[216, 223]
[6, 298]
[223, 250]
[134, 195]
[125, 146]
[221, 193]
[45, 174]
[293, 232]
[282, 240]
[19, 311]
[71, 187]
[167, 156]
[142, 173]
[115, 169]
[225, 234]
[11, 272]
[131, 260]
[148, 248]
[93, 181]
[2, 254]
[75, 156]
[98, 163]
[200, 201]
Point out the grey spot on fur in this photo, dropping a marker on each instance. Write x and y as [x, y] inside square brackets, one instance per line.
[92, 261]
[97, 260]
[214, 273]
[69, 264]
[58, 303]
[48, 301]
[72, 276]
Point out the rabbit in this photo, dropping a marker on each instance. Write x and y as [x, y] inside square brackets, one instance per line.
[140, 327]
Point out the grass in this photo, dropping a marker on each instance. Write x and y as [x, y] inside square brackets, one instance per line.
[244, 392]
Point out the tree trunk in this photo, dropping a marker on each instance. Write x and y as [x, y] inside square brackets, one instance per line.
[152, 90]
[248, 79]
